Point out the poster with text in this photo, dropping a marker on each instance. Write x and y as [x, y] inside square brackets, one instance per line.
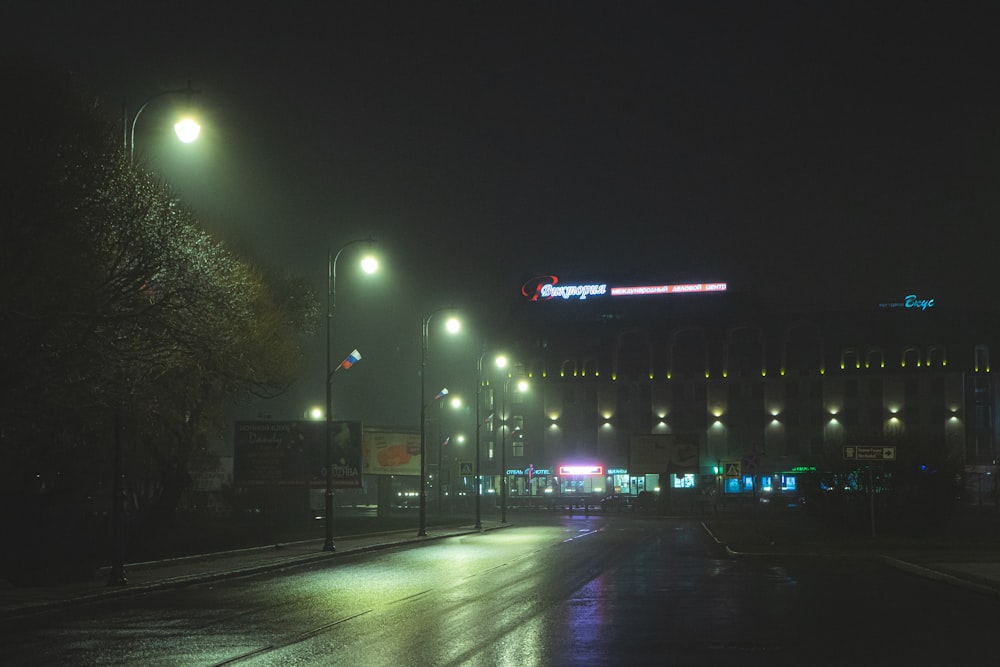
[294, 453]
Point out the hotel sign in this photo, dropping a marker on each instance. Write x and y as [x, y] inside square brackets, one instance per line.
[546, 288]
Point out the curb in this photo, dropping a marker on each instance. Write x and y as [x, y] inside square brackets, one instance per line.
[968, 582]
[180, 581]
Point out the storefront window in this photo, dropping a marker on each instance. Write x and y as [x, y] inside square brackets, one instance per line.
[682, 481]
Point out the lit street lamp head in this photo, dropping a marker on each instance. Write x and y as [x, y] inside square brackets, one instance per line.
[187, 129]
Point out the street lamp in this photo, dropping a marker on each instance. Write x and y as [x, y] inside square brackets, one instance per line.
[187, 128]
[369, 265]
[117, 576]
[452, 327]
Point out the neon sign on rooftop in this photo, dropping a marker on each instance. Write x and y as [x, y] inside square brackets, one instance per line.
[544, 288]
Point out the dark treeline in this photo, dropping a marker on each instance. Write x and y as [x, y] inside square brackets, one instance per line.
[119, 318]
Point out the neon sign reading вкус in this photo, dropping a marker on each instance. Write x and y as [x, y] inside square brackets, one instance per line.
[544, 288]
[910, 301]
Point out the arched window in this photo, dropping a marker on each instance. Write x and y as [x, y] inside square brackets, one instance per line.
[936, 356]
[849, 358]
[875, 358]
[744, 352]
[537, 369]
[982, 363]
[911, 357]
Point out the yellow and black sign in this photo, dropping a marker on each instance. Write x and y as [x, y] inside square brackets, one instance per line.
[732, 469]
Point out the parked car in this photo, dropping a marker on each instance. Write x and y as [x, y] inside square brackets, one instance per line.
[615, 502]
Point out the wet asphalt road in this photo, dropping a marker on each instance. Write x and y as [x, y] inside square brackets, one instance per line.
[555, 590]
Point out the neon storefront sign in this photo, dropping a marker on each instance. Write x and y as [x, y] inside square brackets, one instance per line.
[528, 472]
[573, 471]
[546, 288]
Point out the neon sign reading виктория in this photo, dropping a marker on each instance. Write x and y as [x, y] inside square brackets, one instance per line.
[545, 288]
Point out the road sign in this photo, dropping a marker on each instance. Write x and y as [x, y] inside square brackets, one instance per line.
[870, 453]
[732, 469]
[465, 469]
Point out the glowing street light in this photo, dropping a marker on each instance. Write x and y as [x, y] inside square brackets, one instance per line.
[116, 575]
[369, 265]
[452, 326]
[187, 128]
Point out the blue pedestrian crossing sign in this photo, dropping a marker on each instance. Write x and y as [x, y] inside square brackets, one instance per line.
[465, 469]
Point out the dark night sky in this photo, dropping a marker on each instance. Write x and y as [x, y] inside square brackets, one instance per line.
[839, 153]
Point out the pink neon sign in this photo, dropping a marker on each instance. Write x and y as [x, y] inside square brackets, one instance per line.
[581, 470]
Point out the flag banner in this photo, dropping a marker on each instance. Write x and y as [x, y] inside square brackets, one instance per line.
[441, 394]
[353, 358]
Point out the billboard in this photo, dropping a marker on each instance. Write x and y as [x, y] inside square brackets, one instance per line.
[290, 453]
[391, 453]
[673, 452]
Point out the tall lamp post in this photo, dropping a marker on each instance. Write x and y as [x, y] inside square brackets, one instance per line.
[370, 265]
[187, 131]
[452, 326]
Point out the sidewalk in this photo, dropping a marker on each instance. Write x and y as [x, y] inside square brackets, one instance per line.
[177, 572]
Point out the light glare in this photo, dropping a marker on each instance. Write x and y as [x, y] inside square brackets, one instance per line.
[187, 130]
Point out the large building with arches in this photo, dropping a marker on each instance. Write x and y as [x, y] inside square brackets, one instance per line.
[719, 393]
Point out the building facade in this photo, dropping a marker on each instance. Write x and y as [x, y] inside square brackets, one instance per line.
[764, 395]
